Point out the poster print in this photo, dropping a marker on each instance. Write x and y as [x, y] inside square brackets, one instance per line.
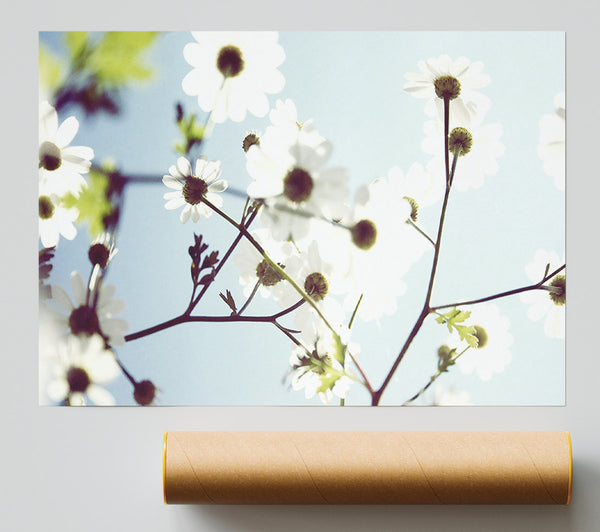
[302, 218]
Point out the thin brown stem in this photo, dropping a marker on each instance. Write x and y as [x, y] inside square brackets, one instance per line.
[366, 381]
[185, 318]
[536, 286]
[250, 298]
[376, 395]
[222, 262]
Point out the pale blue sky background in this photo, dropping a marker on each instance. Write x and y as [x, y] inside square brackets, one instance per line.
[351, 84]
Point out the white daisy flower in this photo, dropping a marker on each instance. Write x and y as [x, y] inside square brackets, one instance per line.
[310, 371]
[191, 188]
[492, 331]
[81, 364]
[253, 267]
[288, 173]
[551, 148]
[233, 72]
[61, 165]
[84, 318]
[380, 247]
[543, 304]
[458, 80]
[471, 170]
[319, 279]
[55, 220]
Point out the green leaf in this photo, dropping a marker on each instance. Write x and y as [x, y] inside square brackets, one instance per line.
[452, 317]
[193, 133]
[455, 316]
[467, 333]
[327, 382]
[117, 58]
[51, 70]
[340, 350]
[77, 42]
[92, 203]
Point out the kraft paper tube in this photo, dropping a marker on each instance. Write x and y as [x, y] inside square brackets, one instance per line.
[367, 467]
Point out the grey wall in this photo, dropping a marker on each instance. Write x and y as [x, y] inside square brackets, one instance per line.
[100, 469]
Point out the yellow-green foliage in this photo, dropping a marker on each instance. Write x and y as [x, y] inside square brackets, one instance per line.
[92, 203]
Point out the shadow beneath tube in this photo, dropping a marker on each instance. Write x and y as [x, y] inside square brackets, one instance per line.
[381, 518]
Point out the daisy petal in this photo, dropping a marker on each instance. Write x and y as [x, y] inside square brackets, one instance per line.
[61, 297]
[218, 186]
[66, 132]
[100, 396]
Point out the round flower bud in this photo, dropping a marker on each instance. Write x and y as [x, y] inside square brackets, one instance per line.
[316, 286]
[364, 234]
[460, 138]
[267, 275]
[144, 392]
[444, 352]
[99, 254]
[46, 208]
[250, 140]
[414, 208]
[447, 87]
[558, 294]
[481, 335]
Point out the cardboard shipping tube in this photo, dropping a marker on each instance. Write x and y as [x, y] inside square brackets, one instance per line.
[367, 467]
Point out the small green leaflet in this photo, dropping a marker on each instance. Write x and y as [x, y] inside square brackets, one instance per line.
[466, 333]
[193, 133]
[327, 382]
[455, 316]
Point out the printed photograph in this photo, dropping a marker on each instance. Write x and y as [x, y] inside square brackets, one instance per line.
[350, 218]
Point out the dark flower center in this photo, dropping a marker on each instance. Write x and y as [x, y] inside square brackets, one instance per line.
[84, 320]
[50, 156]
[481, 335]
[316, 286]
[230, 61]
[46, 208]
[447, 87]
[297, 185]
[364, 234]
[78, 380]
[267, 275]
[98, 254]
[314, 362]
[194, 190]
